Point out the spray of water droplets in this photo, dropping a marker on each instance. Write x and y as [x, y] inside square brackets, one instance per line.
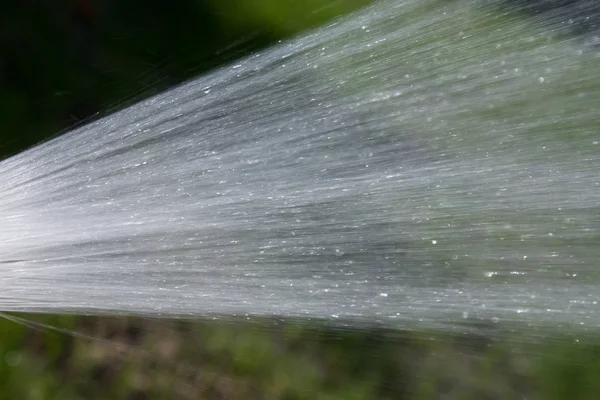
[414, 163]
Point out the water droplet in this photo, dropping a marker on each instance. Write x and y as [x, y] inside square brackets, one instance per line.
[12, 358]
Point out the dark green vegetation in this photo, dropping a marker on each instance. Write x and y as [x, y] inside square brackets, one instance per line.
[163, 359]
[66, 62]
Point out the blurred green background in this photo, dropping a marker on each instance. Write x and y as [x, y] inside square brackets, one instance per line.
[66, 357]
[66, 62]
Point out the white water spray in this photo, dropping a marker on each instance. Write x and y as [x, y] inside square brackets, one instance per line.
[419, 162]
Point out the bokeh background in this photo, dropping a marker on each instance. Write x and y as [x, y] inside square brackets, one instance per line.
[64, 63]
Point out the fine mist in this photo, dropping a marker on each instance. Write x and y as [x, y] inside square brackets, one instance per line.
[417, 163]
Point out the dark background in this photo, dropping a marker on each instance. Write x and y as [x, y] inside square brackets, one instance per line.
[69, 61]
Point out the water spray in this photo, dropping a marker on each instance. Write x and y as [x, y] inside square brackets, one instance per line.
[415, 163]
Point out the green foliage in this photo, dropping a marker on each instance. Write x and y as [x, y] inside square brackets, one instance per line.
[282, 18]
[49, 82]
[126, 358]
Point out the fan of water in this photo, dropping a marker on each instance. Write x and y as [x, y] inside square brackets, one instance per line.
[419, 162]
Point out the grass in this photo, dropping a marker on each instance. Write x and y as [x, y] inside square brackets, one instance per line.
[139, 358]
